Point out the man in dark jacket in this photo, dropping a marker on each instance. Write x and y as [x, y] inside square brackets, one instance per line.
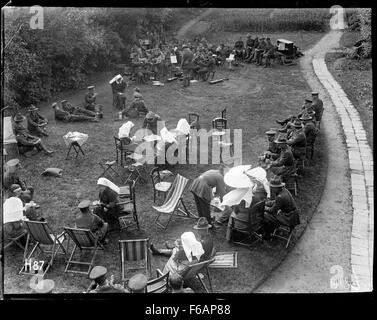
[118, 87]
[186, 64]
[284, 164]
[68, 117]
[259, 51]
[281, 211]
[317, 105]
[310, 128]
[297, 139]
[90, 102]
[25, 141]
[66, 106]
[36, 123]
[269, 52]
[202, 187]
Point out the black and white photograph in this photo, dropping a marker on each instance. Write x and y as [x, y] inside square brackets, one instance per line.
[200, 150]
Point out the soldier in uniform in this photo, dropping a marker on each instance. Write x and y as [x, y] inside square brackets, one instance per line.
[11, 177]
[151, 121]
[186, 64]
[36, 123]
[317, 105]
[269, 52]
[87, 220]
[249, 46]
[90, 102]
[306, 108]
[68, 117]
[66, 106]
[138, 283]
[273, 149]
[259, 51]
[310, 128]
[281, 211]
[297, 139]
[284, 164]
[25, 141]
[100, 283]
[137, 106]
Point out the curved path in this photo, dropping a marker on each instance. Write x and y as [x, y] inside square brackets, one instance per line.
[187, 26]
[324, 251]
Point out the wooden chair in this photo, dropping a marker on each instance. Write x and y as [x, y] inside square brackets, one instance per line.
[245, 228]
[159, 186]
[173, 202]
[84, 240]
[193, 117]
[195, 271]
[223, 114]
[41, 234]
[278, 233]
[291, 181]
[123, 147]
[219, 124]
[310, 148]
[160, 284]
[136, 250]
[127, 206]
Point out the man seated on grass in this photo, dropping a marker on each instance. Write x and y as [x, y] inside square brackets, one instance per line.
[36, 123]
[66, 106]
[187, 251]
[90, 102]
[137, 106]
[27, 142]
[281, 211]
[11, 177]
[87, 220]
[65, 116]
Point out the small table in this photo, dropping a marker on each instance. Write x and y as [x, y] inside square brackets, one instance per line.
[76, 147]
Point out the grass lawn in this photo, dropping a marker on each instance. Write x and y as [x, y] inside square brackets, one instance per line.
[360, 89]
[254, 98]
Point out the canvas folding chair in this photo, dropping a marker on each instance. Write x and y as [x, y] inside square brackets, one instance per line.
[136, 168]
[160, 284]
[85, 241]
[127, 206]
[77, 149]
[173, 202]
[279, 233]
[15, 240]
[225, 260]
[108, 169]
[135, 250]
[195, 271]
[40, 233]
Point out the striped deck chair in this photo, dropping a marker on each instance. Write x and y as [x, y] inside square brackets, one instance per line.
[84, 240]
[173, 202]
[134, 250]
[225, 260]
[195, 271]
[40, 233]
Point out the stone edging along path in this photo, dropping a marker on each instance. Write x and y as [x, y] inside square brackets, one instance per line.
[361, 165]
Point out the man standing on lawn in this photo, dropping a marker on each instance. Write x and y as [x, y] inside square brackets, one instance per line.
[202, 187]
[186, 64]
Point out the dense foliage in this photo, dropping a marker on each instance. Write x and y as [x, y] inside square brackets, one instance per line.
[74, 43]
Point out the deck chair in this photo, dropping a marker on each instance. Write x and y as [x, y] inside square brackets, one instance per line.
[40, 233]
[160, 284]
[195, 271]
[85, 241]
[134, 250]
[173, 202]
[15, 240]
